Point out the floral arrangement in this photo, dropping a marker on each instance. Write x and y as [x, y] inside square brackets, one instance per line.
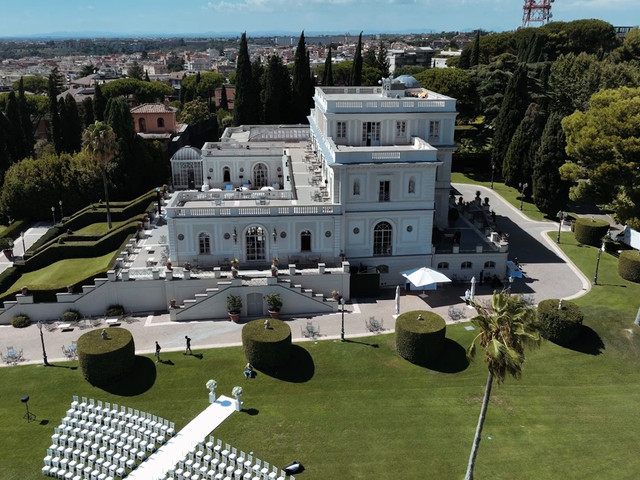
[235, 261]
[211, 385]
[237, 391]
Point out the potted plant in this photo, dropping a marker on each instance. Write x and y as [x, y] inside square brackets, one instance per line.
[7, 247]
[234, 307]
[335, 294]
[274, 303]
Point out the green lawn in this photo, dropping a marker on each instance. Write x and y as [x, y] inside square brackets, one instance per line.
[62, 273]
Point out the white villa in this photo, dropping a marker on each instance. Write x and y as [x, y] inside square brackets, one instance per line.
[368, 181]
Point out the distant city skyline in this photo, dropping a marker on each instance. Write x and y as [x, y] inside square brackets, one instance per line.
[286, 17]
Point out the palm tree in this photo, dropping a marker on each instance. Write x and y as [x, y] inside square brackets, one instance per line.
[100, 141]
[506, 328]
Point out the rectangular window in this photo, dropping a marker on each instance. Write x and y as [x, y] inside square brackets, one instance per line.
[401, 129]
[383, 193]
[370, 132]
[434, 129]
[341, 131]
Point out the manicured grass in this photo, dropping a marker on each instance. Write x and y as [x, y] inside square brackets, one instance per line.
[62, 273]
[99, 228]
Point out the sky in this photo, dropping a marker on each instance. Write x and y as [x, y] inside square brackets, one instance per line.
[210, 17]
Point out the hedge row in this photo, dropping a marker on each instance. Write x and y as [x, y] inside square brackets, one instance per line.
[267, 348]
[590, 231]
[629, 265]
[560, 325]
[420, 336]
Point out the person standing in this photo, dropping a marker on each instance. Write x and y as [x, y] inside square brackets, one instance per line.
[467, 296]
[158, 348]
[188, 348]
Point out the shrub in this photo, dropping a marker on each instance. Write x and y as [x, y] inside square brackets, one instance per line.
[589, 231]
[102, 361]
[560, 326]
[21, 321]
[274, 302]
[234, 303]
[114, 311]
[420, 341]
[70, 316]
[6, 243]
[629, 265]
[266, 348]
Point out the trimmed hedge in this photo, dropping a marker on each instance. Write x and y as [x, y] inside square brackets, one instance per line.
[114, 311]
[629, 265]
[420, 341]
[560, 326]
[21, 321]
[590, 231]
[267, 348]
[70, 316]
[102, 361]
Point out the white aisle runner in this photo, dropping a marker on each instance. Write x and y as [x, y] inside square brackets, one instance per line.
[177, 448]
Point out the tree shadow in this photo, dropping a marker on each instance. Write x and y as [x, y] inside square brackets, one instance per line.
[299, 369]
[250, 411]
[588, 341]
[452, 359]
[138, 380]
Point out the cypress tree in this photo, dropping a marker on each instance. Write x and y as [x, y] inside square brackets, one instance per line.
[475, 52]
[99, 104]
[17, 149]
[518, 163]
[382, 62]
[245, 110]
[276, 92]
[146, 76]
[56, 126]
[514, 105]
[550, 192]
[73, 127]
[327, 75]
[301, 84]
[4, 145]
[356, 68]
[25, 120]
[257, 80]
[224, 103]
[88, 117]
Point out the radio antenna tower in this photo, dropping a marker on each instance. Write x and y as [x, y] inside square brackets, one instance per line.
[536, 11]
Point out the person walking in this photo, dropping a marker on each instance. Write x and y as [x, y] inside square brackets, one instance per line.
[158, 348]
[188, 348]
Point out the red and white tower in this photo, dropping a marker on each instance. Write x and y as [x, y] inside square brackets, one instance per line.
[536, 11]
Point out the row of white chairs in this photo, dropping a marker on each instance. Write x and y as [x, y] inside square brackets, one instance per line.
[96, 442]
[213, 461]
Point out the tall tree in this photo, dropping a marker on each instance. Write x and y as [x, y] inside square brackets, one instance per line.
[245, 110]
[135, 71]
[99, 103]
[550, 192]
[56, 126]
[327, 75]
[518, 162]
[277, 93]
[73, 127]
[514, 105]
[475, 51]
[301, 85]
[26, 125]
[100, 141]
[88, 117]
[17, 148]
[224, 102]
[506, 328]
[382, 62]
[356, 68]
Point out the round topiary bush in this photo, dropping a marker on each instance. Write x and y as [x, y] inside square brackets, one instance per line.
[21, 321]
[70, 316]
[104, 360]
[590, 231]
[563, 325]
[629, 265]
[420, 336]
[266, 348]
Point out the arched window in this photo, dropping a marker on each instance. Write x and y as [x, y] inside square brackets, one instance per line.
[226, 175]
[255, 243]
[260, 175]
[382, 239]
[305, 241]
[142, 125]
[466, 265]
[489, 264]
[204, 243]
[356, 187]
[412, 185]
[443, 266]
[160, 122]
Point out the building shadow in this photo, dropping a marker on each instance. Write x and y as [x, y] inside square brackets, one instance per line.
[299, 368]
[138, 380]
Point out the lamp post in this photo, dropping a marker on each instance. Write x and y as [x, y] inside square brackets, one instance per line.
[523, 187]
[24, 250]
[493, 169]
[53, 214]
[159, 201]
[61, 212]
[560, 216]
[44, 352]
[342, 329]
[595, 277]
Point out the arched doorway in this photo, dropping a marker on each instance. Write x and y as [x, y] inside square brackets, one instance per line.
[255, 244]
[260, 175]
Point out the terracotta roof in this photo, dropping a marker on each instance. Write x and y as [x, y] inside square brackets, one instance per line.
[153, 108]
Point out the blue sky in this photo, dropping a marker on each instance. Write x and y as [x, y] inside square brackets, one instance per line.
[169, 17]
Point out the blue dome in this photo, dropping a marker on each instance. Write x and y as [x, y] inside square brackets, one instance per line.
[408, 80]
